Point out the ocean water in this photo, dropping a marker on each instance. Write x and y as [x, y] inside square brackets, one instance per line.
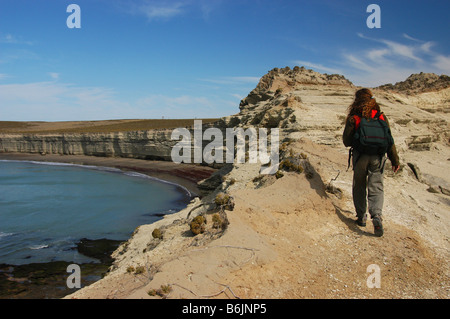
[45, 208]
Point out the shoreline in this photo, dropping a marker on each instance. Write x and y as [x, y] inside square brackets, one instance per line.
[184, 175]
[47, 280]
[23, 280]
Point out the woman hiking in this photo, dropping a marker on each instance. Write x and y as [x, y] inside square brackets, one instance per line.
[368, 160]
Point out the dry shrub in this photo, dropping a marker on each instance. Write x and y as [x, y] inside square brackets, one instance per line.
[198, 225]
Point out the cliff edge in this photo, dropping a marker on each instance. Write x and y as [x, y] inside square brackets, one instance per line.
[292, 234]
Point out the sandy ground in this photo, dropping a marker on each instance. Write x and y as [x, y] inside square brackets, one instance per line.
[287, 240]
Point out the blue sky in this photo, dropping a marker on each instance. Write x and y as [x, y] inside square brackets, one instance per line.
[197, 58]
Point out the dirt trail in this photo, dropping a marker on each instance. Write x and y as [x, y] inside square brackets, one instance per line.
[322, 253]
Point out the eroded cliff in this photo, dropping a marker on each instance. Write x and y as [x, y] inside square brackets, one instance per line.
[153, 144]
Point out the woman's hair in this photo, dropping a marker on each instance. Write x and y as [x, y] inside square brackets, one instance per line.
[363, 104]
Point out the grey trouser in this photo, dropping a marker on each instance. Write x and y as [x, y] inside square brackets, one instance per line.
[368, 184]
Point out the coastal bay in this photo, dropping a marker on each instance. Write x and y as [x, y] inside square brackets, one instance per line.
[47, 279]
[292, 235]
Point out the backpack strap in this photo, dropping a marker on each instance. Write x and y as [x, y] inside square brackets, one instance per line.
[357, 121]
[350, 153]
[378, 115]
[375, 114]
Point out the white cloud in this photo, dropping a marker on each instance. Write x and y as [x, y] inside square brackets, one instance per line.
[397, 49]
[233, 80]
[158, 100]
[53, 101]
[238, 96]
[208, 6]
[442, 62]
[245, 79]
[390, 61]
[157, 10]
[56, 101]
[184, 106]
[357, 63]
[54, 75]
[237, 87]
[11, 39]
[426, 47]
[401, 50]
[167, 9]
[8, 56]
[410, 38]
[318, 67]
[377, 54]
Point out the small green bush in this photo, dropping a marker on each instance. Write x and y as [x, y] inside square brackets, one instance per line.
[217, 221]
[162, 291]
[139, 270]
[222, 199]
[165, 289]
[157, 233]
[198, 225]
[288, 165]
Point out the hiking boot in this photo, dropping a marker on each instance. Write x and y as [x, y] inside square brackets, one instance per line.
[361, 222]
[377, 226]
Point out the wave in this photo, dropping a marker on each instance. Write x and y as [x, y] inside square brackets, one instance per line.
[2, 234]
[36, 247]
[100, 168]
[141, 175]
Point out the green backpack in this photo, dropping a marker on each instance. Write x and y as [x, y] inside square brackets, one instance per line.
[372, 136]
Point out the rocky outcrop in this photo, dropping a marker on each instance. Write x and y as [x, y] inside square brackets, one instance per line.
[154, 145]
[143, 144]
[299, 101]
[306, 104]
[420, 83]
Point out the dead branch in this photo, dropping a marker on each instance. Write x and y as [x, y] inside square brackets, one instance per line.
[208, 296]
